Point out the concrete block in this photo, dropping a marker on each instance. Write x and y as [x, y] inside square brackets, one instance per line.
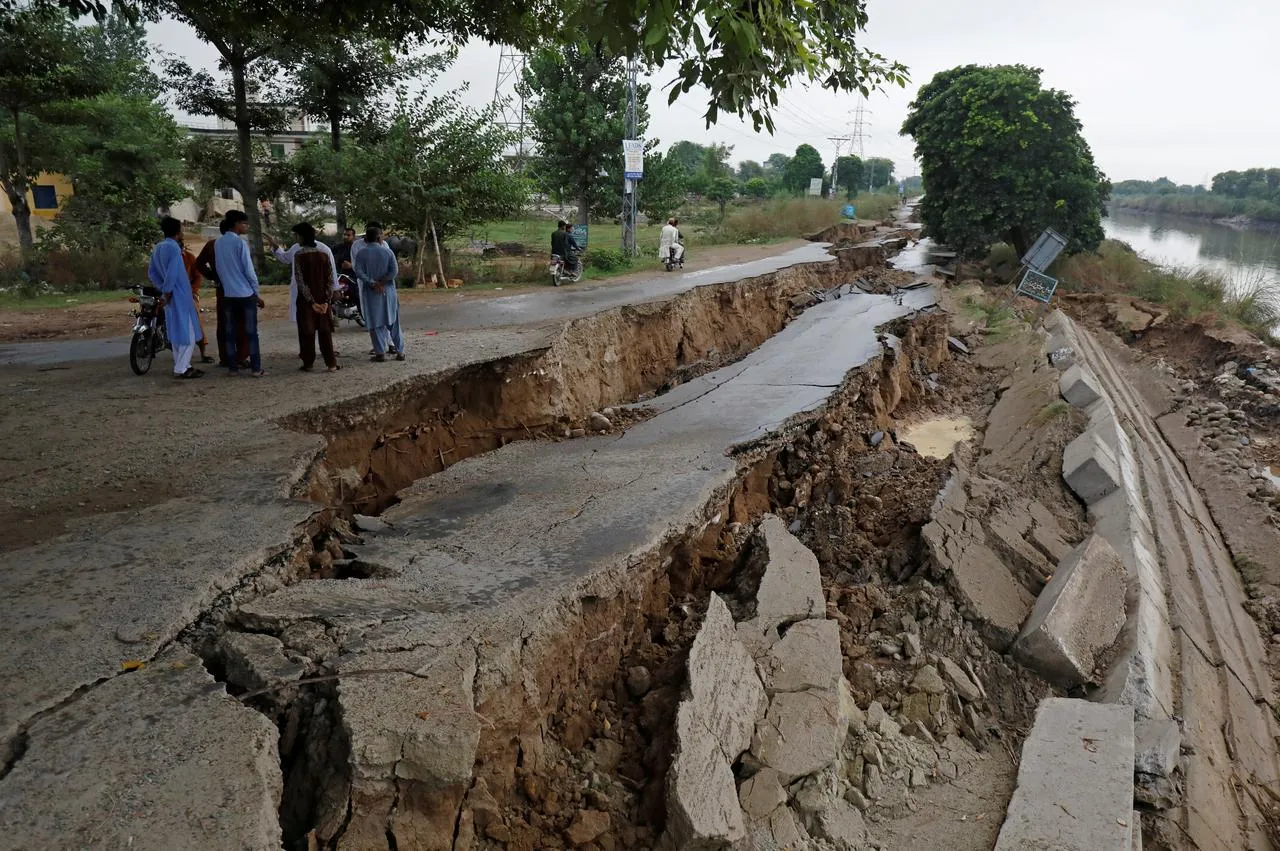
[1077, 616]
[1158, 742]
[1079, 387]
[801, 734]
[702, 800]
[1075, 780]
[1141, 676]
[808, 656]
[725, 692]
[1090, 468]
[761, 794]
[791, 584]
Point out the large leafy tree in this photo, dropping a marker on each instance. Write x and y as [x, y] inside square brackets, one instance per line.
[879, 172]
[664, 186]
[430, 167]
[803, 167]
[42, 69]
[749, 169]
[849, 174]
[579, 120]
[1002, 158]
[688, 155]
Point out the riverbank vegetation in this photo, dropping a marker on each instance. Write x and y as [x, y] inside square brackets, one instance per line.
[1199, 293]
[1253, 194]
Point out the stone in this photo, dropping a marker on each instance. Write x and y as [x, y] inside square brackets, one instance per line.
[875, 714]
[875, 438]
[808, 656]
[599, 422]
[159, 758]
[702, 799]
[310, 639]
[917, 778]
[929, 681]
[959, 680]
[371, 525]
[608, 754]
[854, 796]
[1075, 780]
[873, 782]
[956, 346]
[910, 645]
[1090, 467]
[791, 585]
[1077, 616]
[725, 693]
[256, 662]
[915, 707]
[785, 831]
[639, 681]
[1157, 745]
[586, 826]
[761, 794]
[577, 432]
[800, 735]
[1079, 387]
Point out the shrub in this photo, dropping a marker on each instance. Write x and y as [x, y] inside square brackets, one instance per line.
[607, 260]
[779, 218]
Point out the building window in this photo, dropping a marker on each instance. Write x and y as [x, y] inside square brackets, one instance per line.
[227, 194]
[44, 197]
[277, 151]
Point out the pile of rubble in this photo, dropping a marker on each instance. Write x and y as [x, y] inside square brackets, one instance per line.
[773, 751]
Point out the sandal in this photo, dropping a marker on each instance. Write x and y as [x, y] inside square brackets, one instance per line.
[306, 369]
[258, 374]
[379, 358]
[334, 368]
[191, 373]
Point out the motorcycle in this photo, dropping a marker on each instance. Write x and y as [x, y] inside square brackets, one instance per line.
[561, 271]
[675, 258]
[149, 335]
[345, 302]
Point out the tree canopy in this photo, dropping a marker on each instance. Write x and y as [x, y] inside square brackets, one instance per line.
[1002, 158]
[849, 174]
[803, 167]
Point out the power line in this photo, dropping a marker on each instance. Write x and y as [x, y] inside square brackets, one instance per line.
[508, 101]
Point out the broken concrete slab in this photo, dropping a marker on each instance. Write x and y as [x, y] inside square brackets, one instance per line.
[1075, 781]
[1157, 746]
[808, 656]
[255, 661]
[1079, 387]
[160, 759]
[761, 794]
[801, 734]
[1077, 616]
[960, 681]
[791, 586]
[1090, 467]
[702, 802]
[725, 693]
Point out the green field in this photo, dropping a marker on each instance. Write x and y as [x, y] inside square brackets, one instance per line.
[15, 300]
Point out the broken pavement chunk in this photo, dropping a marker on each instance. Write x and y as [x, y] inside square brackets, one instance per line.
[1090, 467]
[1079, 387]
[791, 584]
[808, 656]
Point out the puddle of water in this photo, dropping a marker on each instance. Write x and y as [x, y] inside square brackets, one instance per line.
[937, 438]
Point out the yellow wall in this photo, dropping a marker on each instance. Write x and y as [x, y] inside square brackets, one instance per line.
[61, 187]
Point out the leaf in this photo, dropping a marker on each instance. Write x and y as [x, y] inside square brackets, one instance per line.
[132, 665]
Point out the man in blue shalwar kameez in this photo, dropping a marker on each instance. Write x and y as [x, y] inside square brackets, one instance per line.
[169, 274]
[376, 270]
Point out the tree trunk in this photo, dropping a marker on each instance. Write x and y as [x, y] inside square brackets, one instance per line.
[17, 192]
[1018, 239]
[335, 140]
[439, 256]
[582, 209]
[420, 278]
[244, 145]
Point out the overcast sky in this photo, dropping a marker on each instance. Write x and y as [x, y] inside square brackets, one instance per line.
[1164, 87]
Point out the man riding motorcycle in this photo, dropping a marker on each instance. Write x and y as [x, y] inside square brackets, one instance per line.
[670, 248]
[564, 246]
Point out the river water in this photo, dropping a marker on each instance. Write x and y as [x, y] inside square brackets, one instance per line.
[1243, 255]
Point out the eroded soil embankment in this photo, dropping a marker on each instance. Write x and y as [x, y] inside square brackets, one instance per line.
[580, 741]
[379, 444]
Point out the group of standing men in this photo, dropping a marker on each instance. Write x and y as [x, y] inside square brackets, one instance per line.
[315, 270]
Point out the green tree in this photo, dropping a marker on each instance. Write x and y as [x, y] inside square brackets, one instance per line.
[578, 120]
[756, 187]
[664, 186]
[715, 161]
[1003, 158]
[42, 68]
[722, 190]
[429, 165]
[776, 164]
[849, 174]
[748, 169]
[803, 167]
[878, 172]
[688, 154]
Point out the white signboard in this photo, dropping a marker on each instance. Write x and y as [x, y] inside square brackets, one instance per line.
[633, 159]
[815, 186]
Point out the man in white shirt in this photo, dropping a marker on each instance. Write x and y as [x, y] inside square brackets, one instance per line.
[670, 249]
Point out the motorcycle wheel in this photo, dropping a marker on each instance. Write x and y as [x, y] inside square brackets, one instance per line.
[141, 352]
[359, 317]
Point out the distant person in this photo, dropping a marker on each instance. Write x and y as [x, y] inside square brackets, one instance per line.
[315, 276]
[342, 254]
[287, 256]
[240, 289]
[376, 270]
[560, 241]
[189, 262]
[169, 275]
[670, 247]
[267, 210]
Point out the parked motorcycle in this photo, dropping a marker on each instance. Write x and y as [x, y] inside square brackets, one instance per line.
[562, 271]
[149, 336]
[345, 302]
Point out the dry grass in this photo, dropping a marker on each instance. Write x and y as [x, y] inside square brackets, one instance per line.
[1251, 300]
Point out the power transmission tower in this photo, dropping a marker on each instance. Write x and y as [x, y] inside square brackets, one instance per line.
[630, 188]
[507, 99]
[859, 135]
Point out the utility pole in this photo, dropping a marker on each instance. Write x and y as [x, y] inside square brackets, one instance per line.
[835, 166]
[630, 188]
[508, 102]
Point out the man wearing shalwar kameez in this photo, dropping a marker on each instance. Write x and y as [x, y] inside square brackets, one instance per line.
[169, 274]
[376, 270]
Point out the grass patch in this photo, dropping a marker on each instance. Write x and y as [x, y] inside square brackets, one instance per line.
[776, 218]
[1052, 411]
[17, 300]
[1250, 300]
